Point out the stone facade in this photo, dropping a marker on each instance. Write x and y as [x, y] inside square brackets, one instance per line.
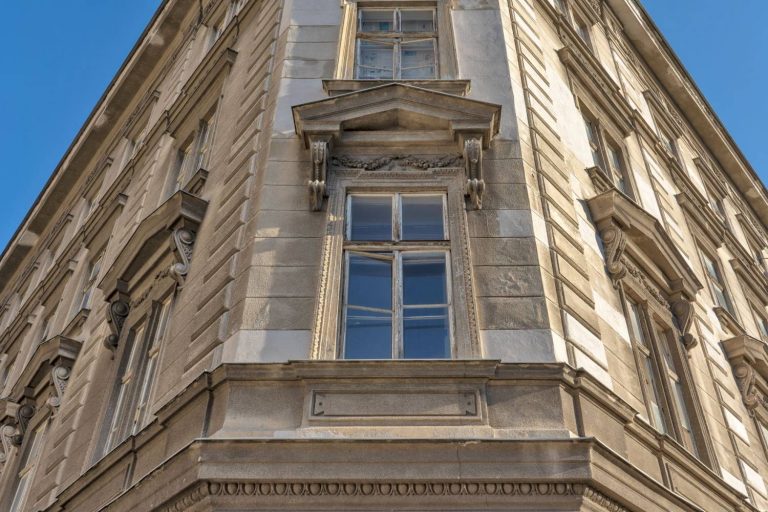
[175, 309]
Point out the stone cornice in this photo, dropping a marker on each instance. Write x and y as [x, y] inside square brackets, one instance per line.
[593, 78]
[661, 60]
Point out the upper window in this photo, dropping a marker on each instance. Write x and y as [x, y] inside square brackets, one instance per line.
[397, 295]
[716, 283]
[607, 155]
[89, 283]
[190, 157]
[396, 43]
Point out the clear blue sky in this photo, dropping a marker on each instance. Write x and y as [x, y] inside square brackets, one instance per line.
[60, 55]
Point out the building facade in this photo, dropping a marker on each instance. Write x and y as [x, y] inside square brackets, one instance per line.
[391, 254]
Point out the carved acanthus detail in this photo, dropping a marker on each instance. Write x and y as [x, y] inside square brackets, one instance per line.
[117, 313]
[396, 161]
[59, 377]
[183, 242]
[6, 436]
[473, 162]
[746, 379]
[645, 282]
[683, 310]
[319, 154]
[23, 415]
[615, 242]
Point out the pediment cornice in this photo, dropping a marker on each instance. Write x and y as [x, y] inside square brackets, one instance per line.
[629, 231]
[386, 119]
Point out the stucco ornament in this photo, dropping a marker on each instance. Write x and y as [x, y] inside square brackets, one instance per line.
[116, 315]
[473, 160]
[316, 185]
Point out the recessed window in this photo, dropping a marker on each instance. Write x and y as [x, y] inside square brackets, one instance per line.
[762, 324]
[607, 155]
[661, 361]
[130, 411]
[716, 282]
[27, 467]
[582, 29]
[397, 299]
[89, 284]
[190, 157]
[396, 44]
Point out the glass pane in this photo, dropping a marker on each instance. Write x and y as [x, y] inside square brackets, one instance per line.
[377, 20]
[375, 60]
[370, 218]
[426, 333]
[635, 326]
[369, 282]
[424, 279]
[657, 416]
[417, 59]
[368, 335]
[422, 218]
[417, 21]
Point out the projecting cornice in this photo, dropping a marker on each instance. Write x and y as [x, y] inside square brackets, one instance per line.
[396, 115]
[749, 358]
[665, 65]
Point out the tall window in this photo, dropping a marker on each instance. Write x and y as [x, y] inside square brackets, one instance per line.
[191, 157]
[396, 43]
[607, 155]
[89, 283]
[716, 283]
[397, 298]
[27, 467]
[137, 374]
[762, 323]
[582, 29]
[662, 374]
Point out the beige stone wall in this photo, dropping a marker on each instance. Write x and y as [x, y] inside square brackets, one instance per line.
[544, 301]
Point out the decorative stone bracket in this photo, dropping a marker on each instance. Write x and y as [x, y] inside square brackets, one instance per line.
[12, 433]
[183, 242]
[473, 162]
[629, 232]
[749, 359]
[320, 153]
[119, 307]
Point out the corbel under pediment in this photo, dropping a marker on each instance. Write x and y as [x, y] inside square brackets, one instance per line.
[391, 119]
[48, 370]
[749, 359]
[172, 228]
[629, 231]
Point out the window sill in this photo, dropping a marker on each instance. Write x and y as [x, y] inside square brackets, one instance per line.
[454, 87]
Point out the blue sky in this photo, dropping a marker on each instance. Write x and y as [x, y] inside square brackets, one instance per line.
[55, 72]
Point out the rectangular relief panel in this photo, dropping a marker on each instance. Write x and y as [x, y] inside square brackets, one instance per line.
[396, 405]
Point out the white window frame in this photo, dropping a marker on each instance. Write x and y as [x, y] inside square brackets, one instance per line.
[445, 58]
[396, 247]
[328, 325]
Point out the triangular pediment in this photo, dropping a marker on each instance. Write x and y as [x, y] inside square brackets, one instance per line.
[363, 117]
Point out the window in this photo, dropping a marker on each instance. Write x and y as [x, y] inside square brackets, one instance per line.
[608, 156]
[716, 204]
[137, 374]
[660, 358]
[396, 44]
[669, 143]
[397, 297]
[716, 283]
[192, 156]
[762, 324]
[562, 7]
[27, 469]
[582, 29]
[45, 329]
[89, 283]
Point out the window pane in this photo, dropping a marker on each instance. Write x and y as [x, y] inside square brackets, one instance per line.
[417, 59]
[422, 218]
[368, 335]
[655, 411]
[635, 326]
[369, 282]
[370, 218]
[426, 333]
[417, 21]
[424, 279]
[375, 60]
[377, 20]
